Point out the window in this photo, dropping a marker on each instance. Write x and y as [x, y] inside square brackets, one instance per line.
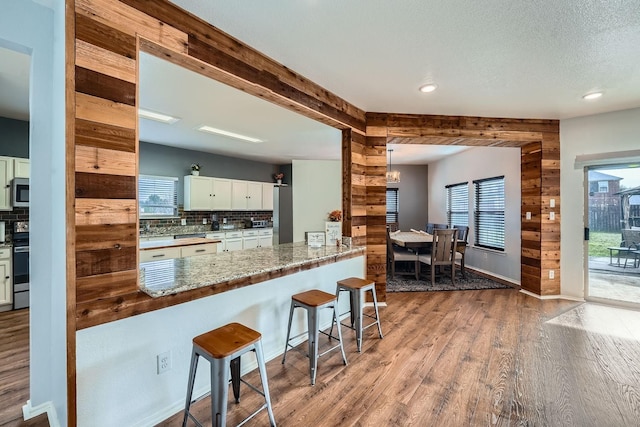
[489, 213]
[457, 204]
[603, 186]
[392, 205]
[158, 196]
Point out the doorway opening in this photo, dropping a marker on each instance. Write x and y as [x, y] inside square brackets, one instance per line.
[612, 204]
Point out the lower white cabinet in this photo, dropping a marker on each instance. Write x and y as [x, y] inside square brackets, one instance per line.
[6, 294]
[265, 238]
[218, 235]
[249, 239]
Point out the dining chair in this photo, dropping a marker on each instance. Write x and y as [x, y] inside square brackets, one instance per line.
[442, 252]
[399, 254]
[461, 246]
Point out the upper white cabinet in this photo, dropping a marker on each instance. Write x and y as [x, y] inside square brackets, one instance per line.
[203, 193]
[21, 168]
[6, 175]
[267, 196]
[246, 195]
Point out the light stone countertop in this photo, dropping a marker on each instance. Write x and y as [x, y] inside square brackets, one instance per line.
[171, 276]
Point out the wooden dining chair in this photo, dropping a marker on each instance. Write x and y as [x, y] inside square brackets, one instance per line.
[399, 254]
[461, 246]
[442, 252]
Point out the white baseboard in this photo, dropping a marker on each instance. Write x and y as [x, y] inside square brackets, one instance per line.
[543, 297]
[29, 412]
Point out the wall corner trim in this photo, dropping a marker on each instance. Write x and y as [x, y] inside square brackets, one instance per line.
[29, 412]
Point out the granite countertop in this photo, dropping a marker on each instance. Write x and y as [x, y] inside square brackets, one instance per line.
[171, 276]
[171, 243]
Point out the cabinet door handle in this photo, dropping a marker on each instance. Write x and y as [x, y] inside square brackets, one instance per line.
[7, 277]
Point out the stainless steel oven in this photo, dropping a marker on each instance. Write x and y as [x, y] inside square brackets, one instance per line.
[20, 192]
[20, 264]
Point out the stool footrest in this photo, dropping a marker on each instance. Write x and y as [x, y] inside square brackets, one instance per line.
[264, 406]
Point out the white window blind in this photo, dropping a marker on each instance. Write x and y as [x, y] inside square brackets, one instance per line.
[392, 205]
[489, 213]
[158, 196]
[457, 204]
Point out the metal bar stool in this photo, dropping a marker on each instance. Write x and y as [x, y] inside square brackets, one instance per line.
[313, 301]
[357, 288]
[222, 347]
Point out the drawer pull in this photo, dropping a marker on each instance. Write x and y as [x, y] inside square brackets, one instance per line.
[157, 256]
[200, 250]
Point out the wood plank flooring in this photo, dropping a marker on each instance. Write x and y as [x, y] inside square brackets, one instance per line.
[466, 358]
[14, 370]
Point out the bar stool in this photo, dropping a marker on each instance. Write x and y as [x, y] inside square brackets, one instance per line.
[313, 301]
[222, 347]
[357, 288]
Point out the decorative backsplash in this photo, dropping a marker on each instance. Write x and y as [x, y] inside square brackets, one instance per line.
[9, 217]
[195, 218]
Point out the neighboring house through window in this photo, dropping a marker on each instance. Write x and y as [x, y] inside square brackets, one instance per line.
[158, 196]
[489, 213]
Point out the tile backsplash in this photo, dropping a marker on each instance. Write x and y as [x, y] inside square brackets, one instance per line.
[196, 217]
[9, 217]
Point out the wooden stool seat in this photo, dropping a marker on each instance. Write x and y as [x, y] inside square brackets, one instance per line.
[314, 298]
[222, 347]
[357, 288]
[226, 340]
[313, 301]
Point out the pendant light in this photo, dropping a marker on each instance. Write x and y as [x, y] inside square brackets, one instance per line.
[392, 176]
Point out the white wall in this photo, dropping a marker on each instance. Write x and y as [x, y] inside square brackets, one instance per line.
[32, 28]
[317, 190]
[117, 380]
[413, 191]
[602, 133]
[478, 163]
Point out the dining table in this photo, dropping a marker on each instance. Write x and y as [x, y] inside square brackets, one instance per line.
[414, 239]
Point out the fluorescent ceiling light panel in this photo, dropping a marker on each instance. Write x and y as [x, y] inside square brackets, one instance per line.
[159, 117]
[227, 133]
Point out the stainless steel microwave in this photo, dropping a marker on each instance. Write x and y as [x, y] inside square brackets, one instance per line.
[20, 192]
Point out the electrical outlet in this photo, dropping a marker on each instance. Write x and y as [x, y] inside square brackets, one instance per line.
[204, 220]
[552, 216]
[552, 203]
[552, 274]
[183, 221]
[528, 215]
[164, 362]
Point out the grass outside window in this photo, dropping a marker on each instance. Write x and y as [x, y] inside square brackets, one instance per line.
[599, 242]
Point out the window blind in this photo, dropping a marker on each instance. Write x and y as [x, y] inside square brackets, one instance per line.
[489, 213]
[158, 196]
[392, 205]
[457, 204]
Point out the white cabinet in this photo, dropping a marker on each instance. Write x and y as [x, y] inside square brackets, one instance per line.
[6, 293]
[267, 196]
[203, 193]
[246, 195]
[265, 238]
[218, 236]
[21, 168]
[158, 254]
[249, 239]
[6, 175]
[233, 241]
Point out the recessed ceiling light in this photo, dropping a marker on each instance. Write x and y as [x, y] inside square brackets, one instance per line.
[227, 133]
[159, 117]
[593, 95]
[428, 88]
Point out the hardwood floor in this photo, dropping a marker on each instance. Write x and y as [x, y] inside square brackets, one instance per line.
[14, 370]
[490, 357]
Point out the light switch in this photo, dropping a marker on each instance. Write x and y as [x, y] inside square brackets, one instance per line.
[552, 216]
[204, 220]
[528, 215]
[552, 203]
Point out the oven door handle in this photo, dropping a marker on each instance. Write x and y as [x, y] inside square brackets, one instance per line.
[20, 249]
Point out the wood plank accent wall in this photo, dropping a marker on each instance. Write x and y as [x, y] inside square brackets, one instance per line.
[106, 38]
[539, 142]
